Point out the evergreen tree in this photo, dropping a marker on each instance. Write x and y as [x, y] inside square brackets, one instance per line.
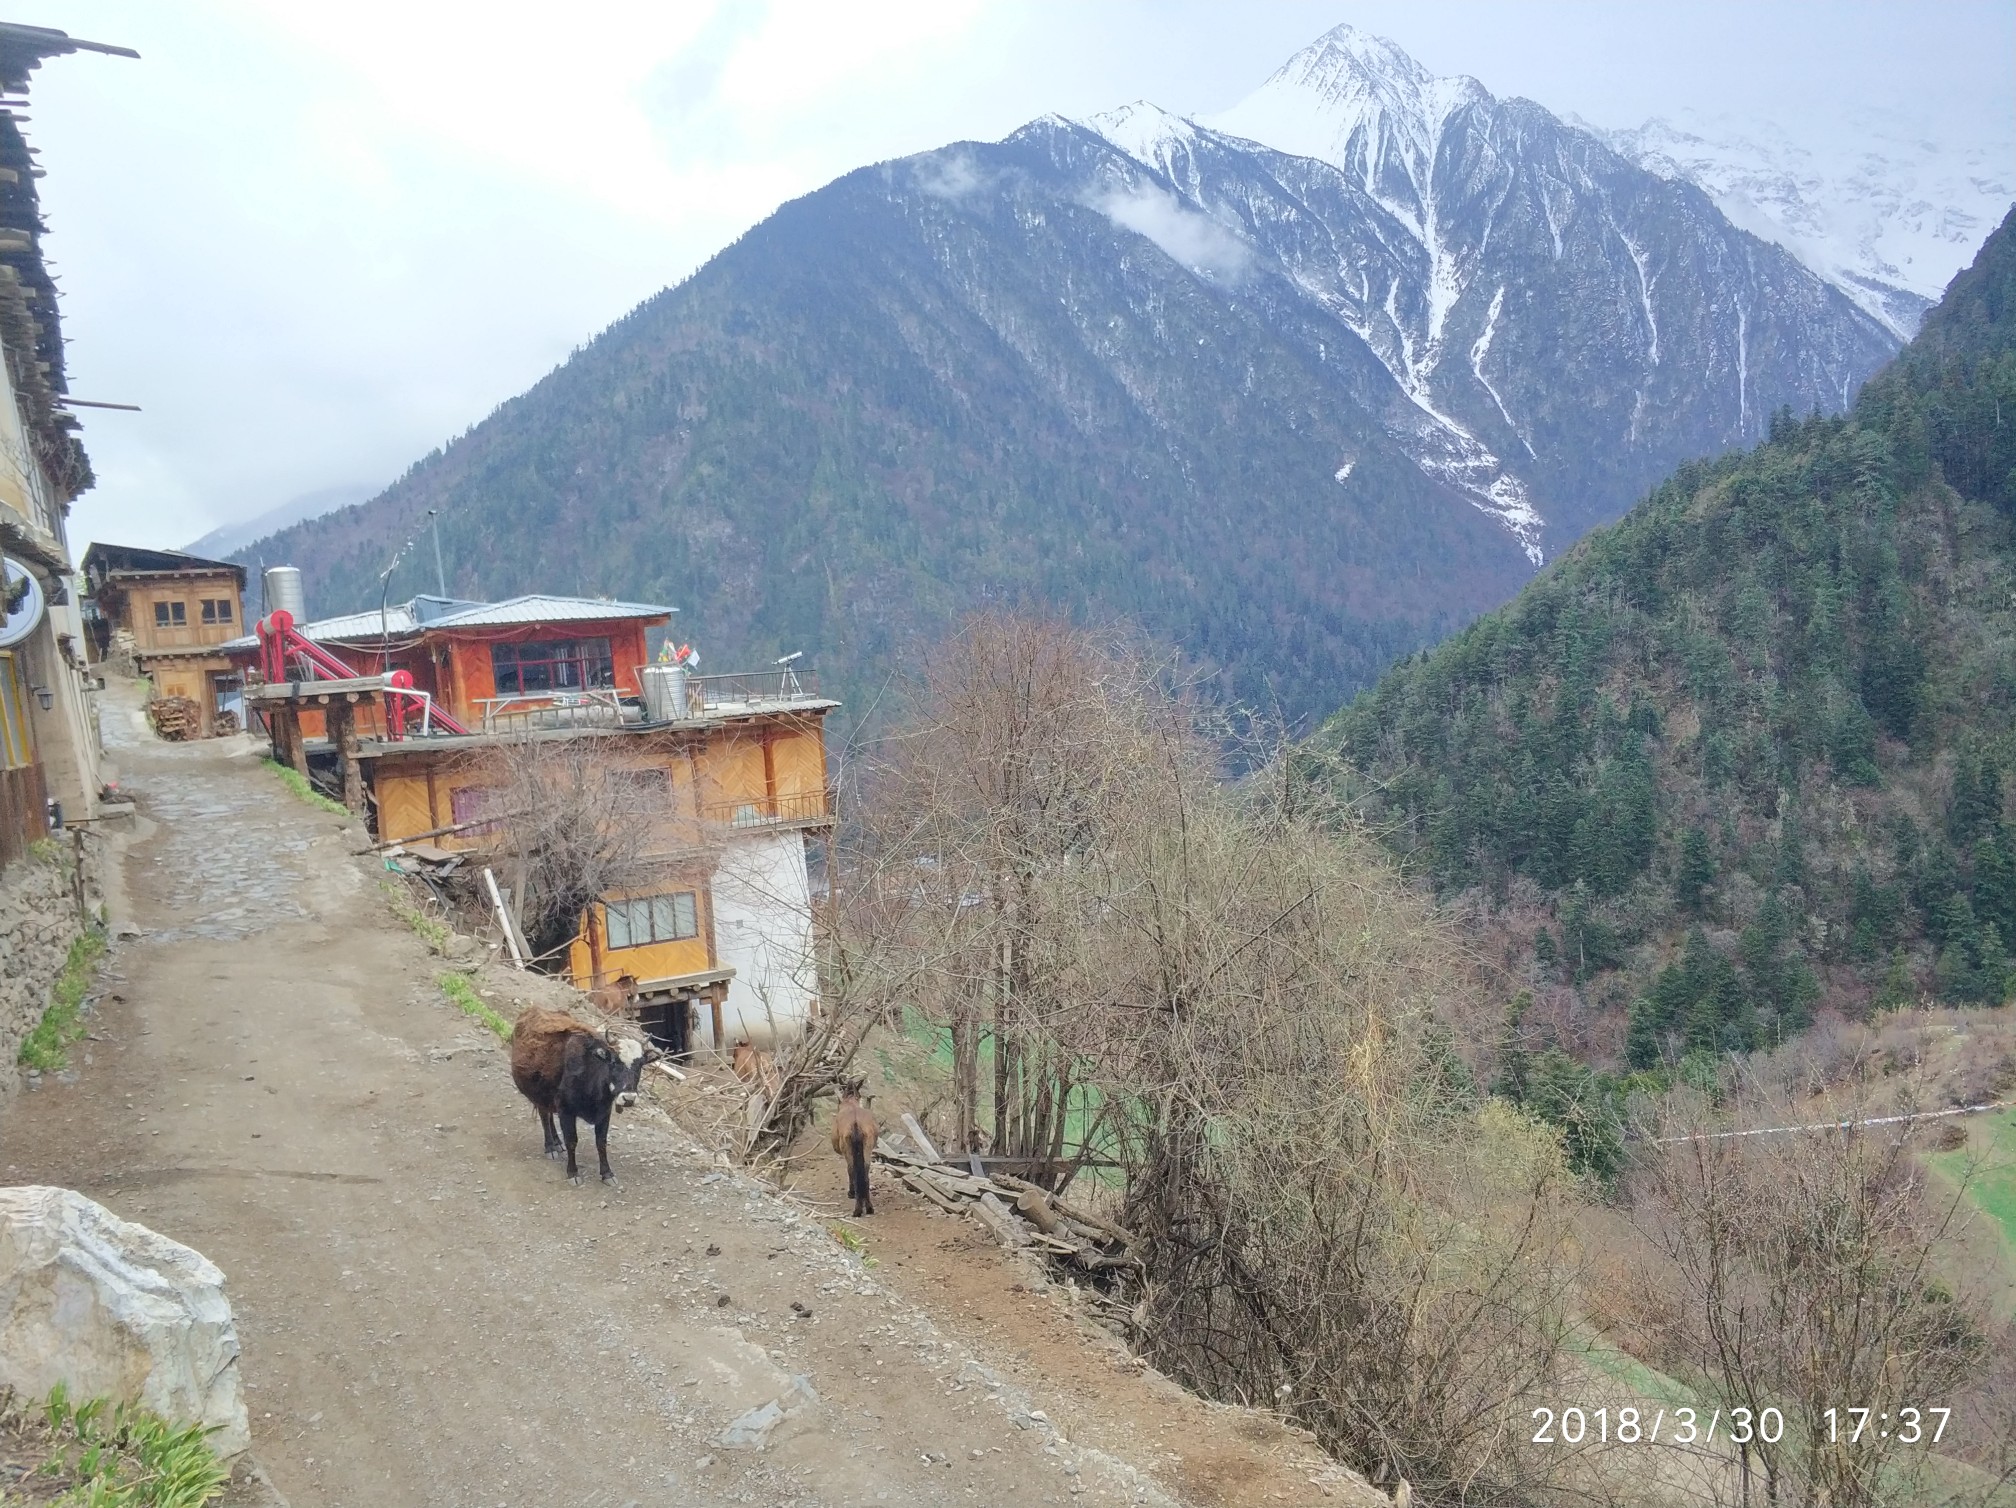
[1696, 872]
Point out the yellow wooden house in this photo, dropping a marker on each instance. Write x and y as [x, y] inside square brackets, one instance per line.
[737, 784]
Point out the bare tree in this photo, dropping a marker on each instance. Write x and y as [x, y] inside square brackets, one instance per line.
[1230, 993]
[1801, 1273]
[576, 823]
[1025, 753]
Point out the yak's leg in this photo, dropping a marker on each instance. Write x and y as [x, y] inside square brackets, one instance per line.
[551, 1131]
[572, 1134]
[602, 1144]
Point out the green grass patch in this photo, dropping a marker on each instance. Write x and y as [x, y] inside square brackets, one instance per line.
[462, 994]
[47, 1047]
[1990, 1159]
[435, 931]
[296, 782]
[96, 1455]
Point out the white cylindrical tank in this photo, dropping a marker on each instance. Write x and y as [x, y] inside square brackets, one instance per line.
[282, 586]
[664, 688]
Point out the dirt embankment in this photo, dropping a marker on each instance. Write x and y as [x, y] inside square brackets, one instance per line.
[431, 1315]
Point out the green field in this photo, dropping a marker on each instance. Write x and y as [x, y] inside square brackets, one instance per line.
[1991, 1149]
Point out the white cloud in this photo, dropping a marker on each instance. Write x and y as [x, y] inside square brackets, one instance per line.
[316, 241]
[950, 176]
[1188, 235]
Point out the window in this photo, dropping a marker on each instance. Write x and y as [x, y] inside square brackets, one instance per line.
[476, 803]
[654, 784]
[552, 665]
[653, 919]
[170, 614]
[217, 610]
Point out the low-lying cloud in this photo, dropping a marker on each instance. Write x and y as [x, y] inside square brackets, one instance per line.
[1190, 236]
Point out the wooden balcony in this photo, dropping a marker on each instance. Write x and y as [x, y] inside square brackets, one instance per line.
[803, 809]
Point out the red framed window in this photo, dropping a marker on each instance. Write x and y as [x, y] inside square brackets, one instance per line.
[552, 665]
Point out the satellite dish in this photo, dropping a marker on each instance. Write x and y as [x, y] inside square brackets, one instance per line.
[21, 602]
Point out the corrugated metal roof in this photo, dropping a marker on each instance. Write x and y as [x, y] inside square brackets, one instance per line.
[537, 608]
[399, 620]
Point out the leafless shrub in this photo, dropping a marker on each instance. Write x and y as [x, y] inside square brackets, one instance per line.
[575, 823]
[1801, 1272]
[1232, 996]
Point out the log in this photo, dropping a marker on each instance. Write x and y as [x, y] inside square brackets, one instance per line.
[1033, 1206]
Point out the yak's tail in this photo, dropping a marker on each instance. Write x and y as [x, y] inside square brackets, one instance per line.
[857, 1163]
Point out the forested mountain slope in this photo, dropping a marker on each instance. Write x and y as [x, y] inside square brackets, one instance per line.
[1300, 404]
[1748, 751]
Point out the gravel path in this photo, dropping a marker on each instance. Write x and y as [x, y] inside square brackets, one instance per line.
[429, 1313]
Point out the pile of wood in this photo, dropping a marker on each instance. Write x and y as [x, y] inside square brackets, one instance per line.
[175, 718]
[1020, 1215]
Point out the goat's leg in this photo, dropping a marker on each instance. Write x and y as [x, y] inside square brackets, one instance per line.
[551, 1131]
[602, 1144]
[571, 1132]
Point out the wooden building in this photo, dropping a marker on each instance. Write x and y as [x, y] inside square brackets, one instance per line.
[172, 613]
[495, 666]
[49, 754]
[732, 768]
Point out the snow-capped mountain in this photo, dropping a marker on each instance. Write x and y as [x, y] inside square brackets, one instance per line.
[1880, 211]
[1302, 387]
[1471, 243]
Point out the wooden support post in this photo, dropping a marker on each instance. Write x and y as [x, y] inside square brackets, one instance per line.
[297, 742]
[342, 716]
[714, 1000]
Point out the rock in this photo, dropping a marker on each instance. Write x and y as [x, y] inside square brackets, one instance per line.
[114, 1309]
[756, 1429]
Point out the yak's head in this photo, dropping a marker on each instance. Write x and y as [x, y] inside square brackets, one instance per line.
[612, 1066]
[631, 1059]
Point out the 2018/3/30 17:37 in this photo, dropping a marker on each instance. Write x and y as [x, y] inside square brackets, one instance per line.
[1740, 1426]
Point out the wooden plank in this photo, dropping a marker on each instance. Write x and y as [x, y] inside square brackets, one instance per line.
[917, 1135]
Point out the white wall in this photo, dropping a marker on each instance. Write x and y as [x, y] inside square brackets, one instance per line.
[763, 929]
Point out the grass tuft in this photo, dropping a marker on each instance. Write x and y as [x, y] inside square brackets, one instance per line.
[435, 931]
[104, 1456]
[462, 994]
[295, 782]
[47, 1047]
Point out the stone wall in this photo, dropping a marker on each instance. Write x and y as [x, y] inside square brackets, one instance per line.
[38, 922]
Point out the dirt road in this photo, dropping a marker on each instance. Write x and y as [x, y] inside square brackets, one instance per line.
[430, 1314]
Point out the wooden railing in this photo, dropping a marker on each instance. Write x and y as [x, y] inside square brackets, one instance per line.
[550, 709]
[767, 811]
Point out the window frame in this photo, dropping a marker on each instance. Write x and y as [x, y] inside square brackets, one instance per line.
[591, 660]
[661, 908]
[216, 610]
[171, 612]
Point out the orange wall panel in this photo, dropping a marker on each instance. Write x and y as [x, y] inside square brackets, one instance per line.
[798, 760]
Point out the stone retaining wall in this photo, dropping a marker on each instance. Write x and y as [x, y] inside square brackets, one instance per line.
[38, 922]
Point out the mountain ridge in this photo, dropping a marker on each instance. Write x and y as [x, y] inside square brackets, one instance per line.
[1744, 753]
[1224, 391]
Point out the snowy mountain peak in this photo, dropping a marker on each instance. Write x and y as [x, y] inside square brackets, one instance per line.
[1142, 130]
[1879, 212]
[1359, 103]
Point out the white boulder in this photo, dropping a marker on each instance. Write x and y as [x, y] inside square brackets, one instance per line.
[114, 1309]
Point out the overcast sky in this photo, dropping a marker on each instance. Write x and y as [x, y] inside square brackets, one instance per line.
[316, 241]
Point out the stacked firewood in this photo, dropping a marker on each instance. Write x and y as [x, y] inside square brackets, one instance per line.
[1020, 1216]
[175, 718]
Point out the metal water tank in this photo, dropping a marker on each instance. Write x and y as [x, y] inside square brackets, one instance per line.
[282, 588]
[664, 688]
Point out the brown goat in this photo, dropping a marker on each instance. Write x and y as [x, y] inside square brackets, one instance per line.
[616, 998]
[572, 1072]
[854, 1132]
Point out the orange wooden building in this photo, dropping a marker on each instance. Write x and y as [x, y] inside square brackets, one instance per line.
[488, 663]
[732, 770]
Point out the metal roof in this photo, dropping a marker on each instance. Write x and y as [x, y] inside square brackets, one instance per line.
[538, 608]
